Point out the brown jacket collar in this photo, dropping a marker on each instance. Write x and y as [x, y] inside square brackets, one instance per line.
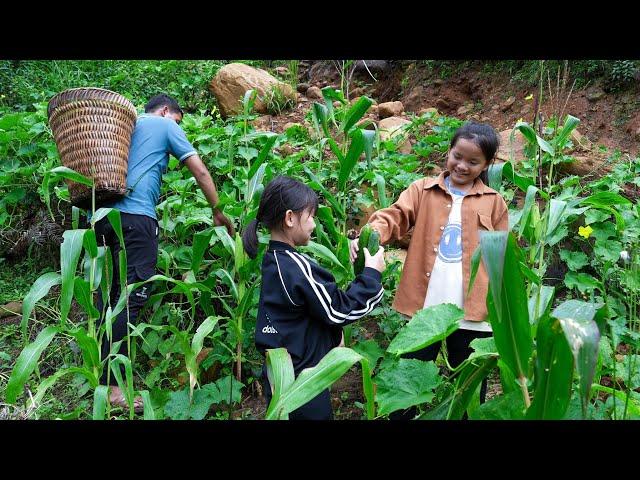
[478, 188]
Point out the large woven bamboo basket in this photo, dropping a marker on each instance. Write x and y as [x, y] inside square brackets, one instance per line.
[92, 128]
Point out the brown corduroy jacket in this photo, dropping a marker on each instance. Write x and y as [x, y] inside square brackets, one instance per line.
[426, 205]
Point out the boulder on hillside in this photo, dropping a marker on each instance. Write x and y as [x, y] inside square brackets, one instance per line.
[314, 93]
[234, 79]
[391, 127]
[390, 109]
[507, 148]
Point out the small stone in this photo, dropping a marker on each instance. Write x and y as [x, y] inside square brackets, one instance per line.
[314, 93]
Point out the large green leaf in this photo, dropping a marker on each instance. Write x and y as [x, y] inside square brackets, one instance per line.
[67, 173]
[507, 301]
[427, 326]
[497, 171]
[582, 281]
[325, 214]
[355, 113]
[148, 413]
[526, 210]
[181, 407]
[353, 154]
[540, 302]
[554, 372]
[114, 219]
[335, 148]
[248, 100]
[605, 199]
[483, 347]
[582, 334]
[320, 116]
[126, 385]
[264, 152]
[38, 290]
[100, 395]
[69, 255]
[205, 328]
[83, 295]
[27, 362]
[574, 260]
[503, 407]
[570, 124]
[94, 267]
[200, 244]
[88, 347]
[317, 185]
[556, 215]
[254, 184]
[281, 376]
[370, 350]
[323, 252]
[475, 264]
[330, 95]
[369, 137]
[368, 388]
[51, 379]
[533, 138]
[312, 381]
[383, 200]
[404, 383]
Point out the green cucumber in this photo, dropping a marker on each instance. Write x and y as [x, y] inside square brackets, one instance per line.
[370, 239]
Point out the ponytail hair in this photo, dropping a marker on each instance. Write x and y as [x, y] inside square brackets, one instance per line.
[250, 238]
[281, 194]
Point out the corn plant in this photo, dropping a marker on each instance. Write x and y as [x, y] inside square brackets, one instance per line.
[290, 393]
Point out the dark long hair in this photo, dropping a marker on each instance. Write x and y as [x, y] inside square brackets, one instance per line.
[484, 136]
[281, 194]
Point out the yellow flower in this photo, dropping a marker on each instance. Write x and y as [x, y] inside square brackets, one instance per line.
[529, 97]
[585, 231]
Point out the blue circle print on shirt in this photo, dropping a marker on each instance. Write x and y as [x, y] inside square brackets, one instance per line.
[450, 250]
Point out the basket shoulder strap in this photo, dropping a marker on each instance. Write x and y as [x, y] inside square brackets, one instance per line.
[142, 175]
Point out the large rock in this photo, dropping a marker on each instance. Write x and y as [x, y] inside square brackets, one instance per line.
[11, 309]
[314, 93]
[505, 149]
[233, 80]
[595, 95]
[508, 103]
[414, 98]
[580, 142]
[376, 67]
[391, 127]
[587, 166]
[263, 123]
[390, 109]
[442, 104]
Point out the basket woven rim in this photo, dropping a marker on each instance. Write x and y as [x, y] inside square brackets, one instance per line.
[121, 99]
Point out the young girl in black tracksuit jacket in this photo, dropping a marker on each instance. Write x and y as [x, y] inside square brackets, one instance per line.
[301, 307]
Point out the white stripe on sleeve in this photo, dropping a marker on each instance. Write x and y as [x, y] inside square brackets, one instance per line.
[324, 298]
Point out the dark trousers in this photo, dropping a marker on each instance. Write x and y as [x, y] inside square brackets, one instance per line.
[141, 244]
[458, 350]
[318, 408]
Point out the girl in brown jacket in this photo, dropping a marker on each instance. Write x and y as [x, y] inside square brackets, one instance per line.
[447, 214]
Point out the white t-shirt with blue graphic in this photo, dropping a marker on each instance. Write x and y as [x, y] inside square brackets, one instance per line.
[153, 139]
[445, 284]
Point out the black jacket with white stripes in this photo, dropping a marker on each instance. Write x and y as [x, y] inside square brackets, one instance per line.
[303, 310]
